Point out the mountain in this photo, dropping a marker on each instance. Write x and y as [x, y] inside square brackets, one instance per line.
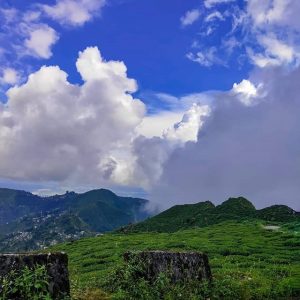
[28, 221]
[15, 204]
[30, 233]
[205, 213]
[281, 213]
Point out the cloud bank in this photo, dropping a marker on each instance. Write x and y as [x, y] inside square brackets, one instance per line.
[249, 150]
[52, 130]
[207, 146]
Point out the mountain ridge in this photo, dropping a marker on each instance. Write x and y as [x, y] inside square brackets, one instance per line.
[29, 222]
[204, 214]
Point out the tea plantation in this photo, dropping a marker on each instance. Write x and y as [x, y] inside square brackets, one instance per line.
[248, 260]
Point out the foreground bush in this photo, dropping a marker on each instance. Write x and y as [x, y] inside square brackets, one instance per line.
[26, 284]
[128, 283]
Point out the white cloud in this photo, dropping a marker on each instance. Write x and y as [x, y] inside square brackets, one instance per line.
[178, 126]
[268, 31]
[40, 41]
[52, 130]
[206, 58]
[9, 15]
[274, 13]
[74, 12]
[282, 52]
[31, 16]
[190, 17]
[213, 16]
[26, 32]
[276, 53]
[248, 150]
[176, 114]
[187, 129]
[212, 3]
[9, 76]
[247, 92]
[25, 35]
[275, 26]
[155, 125]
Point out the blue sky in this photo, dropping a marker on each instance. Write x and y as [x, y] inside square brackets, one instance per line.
[149, 37]
[142, 90]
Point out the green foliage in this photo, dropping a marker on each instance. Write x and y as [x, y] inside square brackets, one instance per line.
[128, 283]
[279, 213]
[26, 284]
[103, 210]
[202, 214]
[247, 261]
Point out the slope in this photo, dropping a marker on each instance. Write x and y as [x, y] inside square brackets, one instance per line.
[205, 213]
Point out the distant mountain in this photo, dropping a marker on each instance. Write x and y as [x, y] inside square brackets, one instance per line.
[29, 221]
[280, 213]
[205, 213]
[38, 232]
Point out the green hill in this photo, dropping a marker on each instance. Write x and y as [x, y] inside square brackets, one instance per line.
[103, 210]
[29, 222]
[205, 213]
[279, 213]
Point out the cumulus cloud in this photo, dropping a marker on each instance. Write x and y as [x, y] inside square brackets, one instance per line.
[241, 142]
[74, 12]
[9, 76]
[51, 129]
[40, 41]
[190, 17]
[173, 113]
[253, 151]
[247, 92]
[54, 131]
[187, 129]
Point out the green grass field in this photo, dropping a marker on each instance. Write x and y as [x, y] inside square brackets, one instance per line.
[265, 264]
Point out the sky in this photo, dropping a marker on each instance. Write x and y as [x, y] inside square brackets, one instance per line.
[176, 101]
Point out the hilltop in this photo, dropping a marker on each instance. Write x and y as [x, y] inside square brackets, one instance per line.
[206, 213]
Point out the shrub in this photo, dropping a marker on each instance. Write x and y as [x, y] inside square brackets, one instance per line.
[26, 284]
[128, 283]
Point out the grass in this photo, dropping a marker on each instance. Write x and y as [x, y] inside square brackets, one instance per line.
[264, 264]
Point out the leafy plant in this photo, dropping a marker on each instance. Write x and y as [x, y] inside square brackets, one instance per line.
[26, 284]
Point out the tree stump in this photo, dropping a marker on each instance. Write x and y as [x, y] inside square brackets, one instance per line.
[180, 266]
[56, 266]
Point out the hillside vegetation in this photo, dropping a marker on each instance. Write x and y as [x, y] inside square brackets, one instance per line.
[29, 222]
[205, 213]
[248, 261]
